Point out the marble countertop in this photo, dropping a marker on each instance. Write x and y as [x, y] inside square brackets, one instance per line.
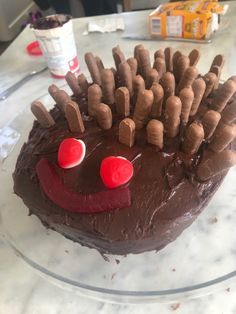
[21, 289]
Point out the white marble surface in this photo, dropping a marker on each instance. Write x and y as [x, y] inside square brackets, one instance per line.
[21, 289]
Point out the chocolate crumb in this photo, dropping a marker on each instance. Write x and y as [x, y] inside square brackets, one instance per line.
[173, 269]
[66, 251]
[175, 306]
[113, 276]
[227, 290]
[117, 261]
[213, 220]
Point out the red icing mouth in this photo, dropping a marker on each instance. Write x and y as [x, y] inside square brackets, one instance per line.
[71, 201]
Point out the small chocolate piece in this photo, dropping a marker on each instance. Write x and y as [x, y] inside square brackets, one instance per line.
[122, 100]
[94, 98]
[223, 95]
[61, 98]
[99, 63]
[73, 117]
[186, 96]
[152, 76]
[194, 57]
[217, 70]
[169, 51]
[168, 83]
[126, 76]
[160, 66]
[198, 87]
[143, 108]
[158, 94]
[229, 113]
[155, 131]
[222, 137]
[118, 56]
[108, 86]
[182, 64]
[145, 63]
[138, 86]
[83, 83]
[133, 63]
[103, 116]
[210, 121]
[215, 164]
[219, 60]
[93, 67]
[172, 116]
[193, 138]
[159, 54]
[52, 89]
[210, 80]
[188, 78]
[73, 84]
[42, 115]
[127, 132]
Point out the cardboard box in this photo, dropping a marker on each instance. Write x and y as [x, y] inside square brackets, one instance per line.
[186, 19]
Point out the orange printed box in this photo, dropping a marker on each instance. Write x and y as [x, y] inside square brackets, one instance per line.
[187, 19]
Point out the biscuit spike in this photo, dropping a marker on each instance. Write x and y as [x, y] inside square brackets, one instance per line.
[99, 63]
[229, 113]
[61, 98]
[127, 132]
[145, 63]
[169, 51]
[138, 86]
[103, 116]
[194, 57]
[152, 76]
[136, 56]
[219, 60]
[108, 86]
[72, 82]
[74, 118]
[186, 96]
[83, 83]
[94, 98]
[159, 54]
[188, 78]
[215, 164]
[93, 68]
[172, 116]
[155, 131]
[198, 87]
[222, 137]
[118, 56]
[52, 89]
[143, 108]
[168, 84]
[210, 80]
[133, 63]
[193, 138]
[217, 70]
[122, 100]
[160, 66]
[42, 115]
[210, 121]
[181, 66]
[223, 95]
[126, 76]
[158, 94]
[116, 78]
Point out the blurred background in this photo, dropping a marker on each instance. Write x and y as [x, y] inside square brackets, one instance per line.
[15, 15]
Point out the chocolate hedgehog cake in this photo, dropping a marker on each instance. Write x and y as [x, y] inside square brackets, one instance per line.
[131, 159]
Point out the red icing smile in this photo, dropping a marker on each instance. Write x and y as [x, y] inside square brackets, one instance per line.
[71, 201]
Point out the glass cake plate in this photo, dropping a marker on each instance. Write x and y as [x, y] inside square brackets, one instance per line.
[201, 260]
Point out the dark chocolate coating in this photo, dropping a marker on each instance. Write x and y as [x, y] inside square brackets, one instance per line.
[165, 199]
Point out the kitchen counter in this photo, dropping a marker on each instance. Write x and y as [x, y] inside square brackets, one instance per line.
[22, 290]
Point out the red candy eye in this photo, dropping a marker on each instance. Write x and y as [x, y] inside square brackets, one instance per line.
[116, 171]
[71, 153]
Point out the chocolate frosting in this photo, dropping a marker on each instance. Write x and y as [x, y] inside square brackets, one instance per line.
[165, 196]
